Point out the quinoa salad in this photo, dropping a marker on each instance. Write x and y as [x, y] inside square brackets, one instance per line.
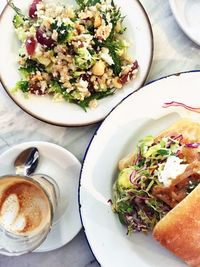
[77, 54]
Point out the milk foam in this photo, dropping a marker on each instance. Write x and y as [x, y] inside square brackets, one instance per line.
[24, 207]
[10, 217]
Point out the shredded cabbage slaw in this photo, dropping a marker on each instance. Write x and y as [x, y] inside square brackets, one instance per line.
[133, 201]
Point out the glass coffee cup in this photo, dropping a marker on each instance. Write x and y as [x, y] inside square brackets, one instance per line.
[27, 208]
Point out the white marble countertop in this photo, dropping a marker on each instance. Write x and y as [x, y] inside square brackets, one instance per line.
[173, 52]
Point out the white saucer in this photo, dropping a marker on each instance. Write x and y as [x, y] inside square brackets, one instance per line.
[64, 168]
[186, 12]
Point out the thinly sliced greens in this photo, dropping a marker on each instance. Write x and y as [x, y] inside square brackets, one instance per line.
[86, 3]
[133, 198]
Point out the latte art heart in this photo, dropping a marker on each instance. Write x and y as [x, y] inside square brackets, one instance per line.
[24, 207]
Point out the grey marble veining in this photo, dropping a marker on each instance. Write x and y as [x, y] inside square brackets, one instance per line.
[18, 126]
[76, 253]
[173, 52]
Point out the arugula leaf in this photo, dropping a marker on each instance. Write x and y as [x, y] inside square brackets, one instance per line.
[84, 104]
[92, 2]
[15, 8]
[122, 218]
[117, 66]
[64, 31]
[55, 87]
[113, 46]
[111, 43]
[26, 71]
[32, 65]
[21, 85]
[116, 15]
[85, 3]
[18, 21]
[19, 18]
[164, 151]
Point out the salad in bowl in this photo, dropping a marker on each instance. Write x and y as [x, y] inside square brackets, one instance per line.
[78, 54]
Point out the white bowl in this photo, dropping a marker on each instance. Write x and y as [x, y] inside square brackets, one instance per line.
[62, 113]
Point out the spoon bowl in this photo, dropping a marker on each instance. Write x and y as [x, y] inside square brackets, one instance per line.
[26, 162]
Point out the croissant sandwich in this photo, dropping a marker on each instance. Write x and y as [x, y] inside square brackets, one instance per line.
[158, 189]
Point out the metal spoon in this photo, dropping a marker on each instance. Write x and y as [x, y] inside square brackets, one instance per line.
[27, 161]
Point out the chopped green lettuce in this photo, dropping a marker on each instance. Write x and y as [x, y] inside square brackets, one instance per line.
[65, 31]
[22, 86]
[18, 21]
[84, 58]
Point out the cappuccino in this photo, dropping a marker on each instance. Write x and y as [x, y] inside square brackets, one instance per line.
[24, 206]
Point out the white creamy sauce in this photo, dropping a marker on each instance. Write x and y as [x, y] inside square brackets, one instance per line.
[172, 169]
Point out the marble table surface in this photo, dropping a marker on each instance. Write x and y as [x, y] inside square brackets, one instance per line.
[173, 52]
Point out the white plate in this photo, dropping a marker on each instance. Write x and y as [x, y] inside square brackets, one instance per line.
[64, 167]
[61, 113]
[187, 15]
[137, 116]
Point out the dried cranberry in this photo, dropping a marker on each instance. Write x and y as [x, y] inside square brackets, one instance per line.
[43, 39]
[71, 50]
[128, 76]
[35, 89]
[33, 9]
[30, 45]
[87, 77]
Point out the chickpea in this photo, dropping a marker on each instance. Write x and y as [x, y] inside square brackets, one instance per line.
[80, 28]
[46, 24]
[21, 61]
[93, 103]
[43, 60]
[98, 68]
[70, 13]
[36, 77]
[118, 27]
[97, 21]
[116, 82]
